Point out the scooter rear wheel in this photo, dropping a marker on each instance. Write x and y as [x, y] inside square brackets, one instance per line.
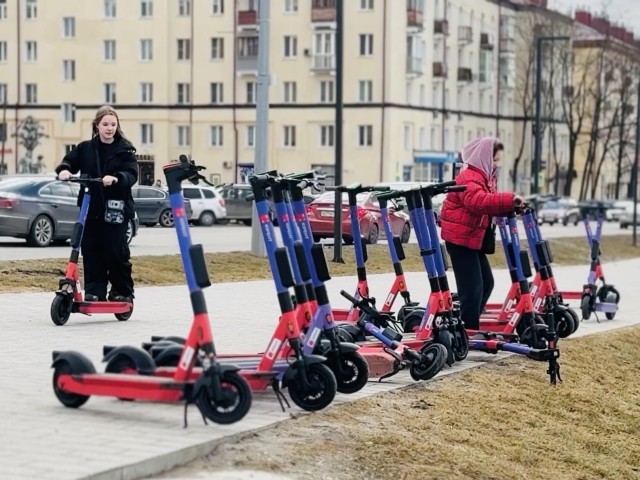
[352, 374]
[434, 357]
[234, 405]
[322, 392]
[61, 308]
[123, 317]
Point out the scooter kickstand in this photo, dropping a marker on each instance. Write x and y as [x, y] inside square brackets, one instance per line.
[279, 395]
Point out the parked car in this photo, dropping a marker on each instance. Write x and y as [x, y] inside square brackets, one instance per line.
[207, 205]
[42, 210]
[617, 209]
[564, 210]
[240, 209]
[153, 206]
[321, 217]
[626, 217]
[436, 201]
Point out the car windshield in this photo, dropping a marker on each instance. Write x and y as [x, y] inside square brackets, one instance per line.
[16, 184]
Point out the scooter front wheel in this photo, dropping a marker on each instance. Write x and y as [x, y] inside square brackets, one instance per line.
[81, 366]
[234, 403]
[61, 308]
[352, 373]
[585, 307]
[611, 298]
[460, 343]
[321, 391]
[565, 323]
[434, 356]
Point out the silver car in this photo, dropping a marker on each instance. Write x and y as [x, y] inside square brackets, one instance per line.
[42, 210]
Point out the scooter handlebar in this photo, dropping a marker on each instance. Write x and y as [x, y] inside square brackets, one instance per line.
[83, 180]
[455, 188]
[390, 195]
[358, 188]
[184, 169]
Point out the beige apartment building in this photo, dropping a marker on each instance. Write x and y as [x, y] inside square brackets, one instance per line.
[421, 78]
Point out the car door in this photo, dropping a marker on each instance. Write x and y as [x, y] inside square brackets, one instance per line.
[197, 201]
[244, 207]
[149, 203]
[61, 198]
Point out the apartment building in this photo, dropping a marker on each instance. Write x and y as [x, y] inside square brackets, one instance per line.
[420, 80]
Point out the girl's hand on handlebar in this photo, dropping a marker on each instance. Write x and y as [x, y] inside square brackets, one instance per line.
[109, 180]
[64, 175]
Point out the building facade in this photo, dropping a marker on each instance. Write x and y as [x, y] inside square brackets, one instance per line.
[420, 80]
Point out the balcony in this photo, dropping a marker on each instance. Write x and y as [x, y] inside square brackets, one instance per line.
[465, 75]
[414, 65]
[486, 41]
[465, 35]
[415, 18]
[507, 45]
[323, 63]
[323, 11]
[441, 27]
[247, 18]
[247, 54]
[439, 70]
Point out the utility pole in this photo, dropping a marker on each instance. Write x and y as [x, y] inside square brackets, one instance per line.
[634, 174]
[3, 137]
[337, 219]
[260, 163]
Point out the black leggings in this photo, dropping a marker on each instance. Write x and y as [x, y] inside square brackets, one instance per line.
[474, 280]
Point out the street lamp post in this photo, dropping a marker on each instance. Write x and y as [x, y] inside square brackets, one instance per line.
[538, 137]
[634, 174]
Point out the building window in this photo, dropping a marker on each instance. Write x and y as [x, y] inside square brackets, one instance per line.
[251, 135]
[184, 49]
[31, 9]
[109, 50]
[423, 139]
[146, 49]
[31, 90]
[31, 51]
[110, 8]
[146, 134]
[327, 91]
[423, 96]
[289, 139]
[217, 93]
[110, 93]
[407, 138]
[217, 48]
[3, 93]
[365, 135]
[184, 93]
[3, 9]
[248, 47]
[68, 70]
[366, 4]
[290, 6]
[184, 8]
[68, 27]
[290, 46]
[3, 51]
[251, 92]
[408, 93]
[146, 8]
[146, 92]
[68, 112]
[365, 88]
[366, 44]
[216, 135]
[327, 135]
[217, 7]
[290, 92]
[184, 135]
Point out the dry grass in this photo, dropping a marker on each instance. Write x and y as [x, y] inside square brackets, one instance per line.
[502, 421]
[42, 275]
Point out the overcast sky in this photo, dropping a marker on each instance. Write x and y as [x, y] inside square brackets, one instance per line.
[622, 11]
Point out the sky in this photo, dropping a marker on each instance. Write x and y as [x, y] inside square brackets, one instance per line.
[626, 12]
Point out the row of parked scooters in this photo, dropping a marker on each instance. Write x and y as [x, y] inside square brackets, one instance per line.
[317, 350]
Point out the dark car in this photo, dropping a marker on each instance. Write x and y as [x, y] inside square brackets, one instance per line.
[42, 210]
[321, 217]
[153, 206]
[237, 199]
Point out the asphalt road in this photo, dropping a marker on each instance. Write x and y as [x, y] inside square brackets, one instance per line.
[218, 238]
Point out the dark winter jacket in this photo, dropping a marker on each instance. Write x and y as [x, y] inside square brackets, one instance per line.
[95, 159]
[466, 216]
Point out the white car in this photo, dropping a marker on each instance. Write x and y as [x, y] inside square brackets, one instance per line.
[626, 217]
[613, 214]
[207, 205]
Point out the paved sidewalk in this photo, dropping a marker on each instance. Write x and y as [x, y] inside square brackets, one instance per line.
[109, 439]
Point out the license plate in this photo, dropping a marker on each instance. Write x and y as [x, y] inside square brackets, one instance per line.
[327, 213]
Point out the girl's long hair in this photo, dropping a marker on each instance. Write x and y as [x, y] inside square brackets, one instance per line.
[100, 114]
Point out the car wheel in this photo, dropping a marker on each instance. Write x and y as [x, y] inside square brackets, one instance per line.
[129, 232]
[207, 219]
[166, 218]
[623, 225]
[41, 233]
[406, 233]
[372, 239]
[247, 222]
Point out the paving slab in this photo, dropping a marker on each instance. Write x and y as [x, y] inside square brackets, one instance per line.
[110, 439]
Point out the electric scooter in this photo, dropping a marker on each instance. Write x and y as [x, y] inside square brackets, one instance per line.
[593, 299]
[68, 298]
[219, 392]
[310, 382]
